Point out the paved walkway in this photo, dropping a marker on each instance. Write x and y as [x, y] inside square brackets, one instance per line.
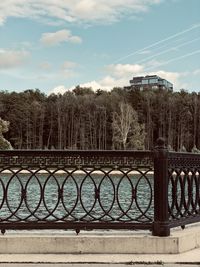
[97, 265]
[187, 257]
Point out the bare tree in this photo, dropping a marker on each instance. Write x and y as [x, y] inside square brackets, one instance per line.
[127, 132]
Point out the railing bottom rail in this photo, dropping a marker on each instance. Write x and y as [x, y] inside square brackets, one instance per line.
[77, 226]
[184, 221]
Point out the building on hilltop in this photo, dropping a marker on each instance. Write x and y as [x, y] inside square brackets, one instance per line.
[149, 82]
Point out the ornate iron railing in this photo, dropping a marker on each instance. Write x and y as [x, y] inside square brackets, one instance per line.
[154, 190]
[176, 189]
[76, 189]
[184, 188]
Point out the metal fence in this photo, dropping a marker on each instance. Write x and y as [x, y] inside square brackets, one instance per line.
[153, 190]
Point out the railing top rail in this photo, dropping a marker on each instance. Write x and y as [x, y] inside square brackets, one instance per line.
[65, 158]
[183, 154]
[58, 152]
[183, 160]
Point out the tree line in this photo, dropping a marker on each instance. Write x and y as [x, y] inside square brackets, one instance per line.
[84, 119]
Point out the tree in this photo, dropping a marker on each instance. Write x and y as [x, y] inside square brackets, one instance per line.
[84, 119]
[127, 132]
[4, 144]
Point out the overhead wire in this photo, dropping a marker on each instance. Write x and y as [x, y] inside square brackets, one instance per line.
[167, 50]
[158, 42]
[175, 59]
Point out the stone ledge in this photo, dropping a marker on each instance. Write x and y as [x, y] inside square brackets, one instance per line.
[100, 243]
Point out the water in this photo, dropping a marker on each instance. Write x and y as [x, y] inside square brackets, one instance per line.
[85, 195]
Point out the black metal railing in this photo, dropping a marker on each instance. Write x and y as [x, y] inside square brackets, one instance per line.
[153, 190]
[184, 188]
[76, 189]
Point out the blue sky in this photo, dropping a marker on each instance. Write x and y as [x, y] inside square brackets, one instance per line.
[55, 45]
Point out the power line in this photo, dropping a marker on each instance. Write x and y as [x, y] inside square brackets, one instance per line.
[167, 50]
[159, 42]
[175, 59]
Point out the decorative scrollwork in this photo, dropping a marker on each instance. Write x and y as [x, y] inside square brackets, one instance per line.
[47, 189]
[184, 160]
[184, 186]
[76, 158]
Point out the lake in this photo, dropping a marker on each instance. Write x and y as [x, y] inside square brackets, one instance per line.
[106, 195]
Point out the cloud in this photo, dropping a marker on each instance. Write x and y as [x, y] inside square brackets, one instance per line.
[107, 84]
[60, 89]
[50, 71]
[45, 65]
[55, 38]
[95, 85]
[12, 58]
[116, 80]
[119, 75]
[173, 77]
[79, 11]
[121, 70]
[67, 69]
[196, 72]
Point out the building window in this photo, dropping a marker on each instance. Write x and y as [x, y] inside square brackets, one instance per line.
[153, 80]
[145, 81]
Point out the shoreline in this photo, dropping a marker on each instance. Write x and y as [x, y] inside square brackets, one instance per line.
[77, 172]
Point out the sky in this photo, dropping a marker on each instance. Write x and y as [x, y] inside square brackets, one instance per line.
[55, 45]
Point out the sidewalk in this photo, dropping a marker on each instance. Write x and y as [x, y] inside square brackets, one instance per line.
[43, 248]
[186, 257]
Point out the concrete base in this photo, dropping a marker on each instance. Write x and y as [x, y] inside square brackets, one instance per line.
[108, 242]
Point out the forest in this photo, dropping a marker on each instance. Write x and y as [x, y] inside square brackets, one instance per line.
[101, 120]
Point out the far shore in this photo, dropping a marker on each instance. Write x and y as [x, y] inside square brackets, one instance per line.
[77, 172]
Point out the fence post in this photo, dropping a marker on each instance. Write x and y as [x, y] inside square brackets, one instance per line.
[161, 215]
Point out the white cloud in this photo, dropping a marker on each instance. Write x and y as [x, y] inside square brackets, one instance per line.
[55, 38]
[95, 85]
[12, 58]
[119, 76]
[60, 89]
[173, 77]
[196, 72]
[122, 70]
[100, 11]
[115, 80]
[122, 73]
[107, 83]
